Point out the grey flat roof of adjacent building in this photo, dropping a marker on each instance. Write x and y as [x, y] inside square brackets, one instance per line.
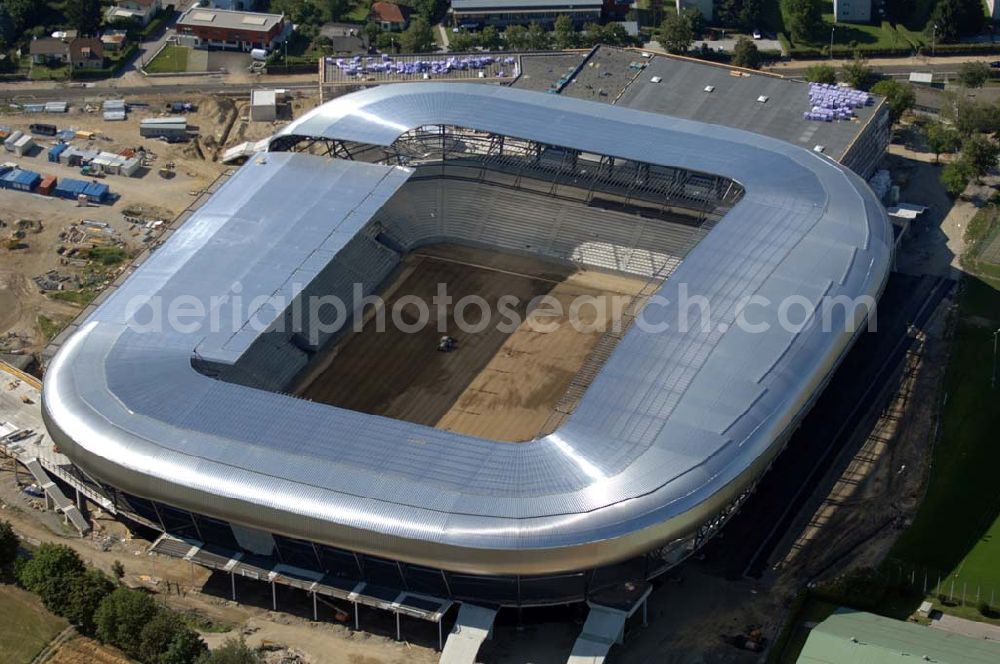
[677, 424]
[681, 93]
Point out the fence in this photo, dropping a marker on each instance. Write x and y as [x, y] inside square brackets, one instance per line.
[951, 588]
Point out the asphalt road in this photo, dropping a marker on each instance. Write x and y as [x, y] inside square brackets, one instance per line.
[211, 85]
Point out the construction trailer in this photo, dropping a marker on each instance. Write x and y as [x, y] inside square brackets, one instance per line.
[24, 145]
[56, 151]
[10, 141]
[19, 180]
[263, 106]
[172, 127]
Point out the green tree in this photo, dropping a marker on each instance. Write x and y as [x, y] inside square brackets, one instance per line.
[952, 19]
[613, 34]
[234, 651]
[516, 37]
[84, 595]
[8, 33]
[118, 571]
[745, 54]
[676, 34]
[564, 32]
[120, 619]
[857, 73]
[23, 14]
[955, 176]
[159, 634]
[461, 41]
[899, 97]
[418, 38]
[971, 117]
[489, 38]
[973, 74]
[821, 74]
[48, 574]
[185, 648]
[750, 14]
[980, 153]
[387, 42]
[803, 18]
[84, 15]
[538, 38]
[372, 30]
[336, 10]
[426, 9]
[9, 544]
[941, 138]
[696, 19]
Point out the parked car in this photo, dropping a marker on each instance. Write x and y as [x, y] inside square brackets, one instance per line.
[757, 35]
[995, 64]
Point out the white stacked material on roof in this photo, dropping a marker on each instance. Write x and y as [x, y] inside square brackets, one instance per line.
[113, 116]
[56, 107]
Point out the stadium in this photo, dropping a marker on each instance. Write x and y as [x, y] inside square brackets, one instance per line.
[523, 469]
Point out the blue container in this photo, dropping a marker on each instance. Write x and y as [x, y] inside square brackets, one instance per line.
[19, 180]
[69, 188]
[97, 192]
[57, 150]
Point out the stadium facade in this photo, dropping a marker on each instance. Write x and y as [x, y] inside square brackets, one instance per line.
[189, 429]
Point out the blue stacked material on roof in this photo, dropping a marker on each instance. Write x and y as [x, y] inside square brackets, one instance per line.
[20, 180]
[69, 188]
[57, 150]
[96, 192]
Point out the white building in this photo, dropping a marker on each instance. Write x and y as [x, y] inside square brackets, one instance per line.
[852, 11]
[706, 7]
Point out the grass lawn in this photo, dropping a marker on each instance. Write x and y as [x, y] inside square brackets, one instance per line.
[25, 625]
[47, 73]
[359, 12]
[172, 59]
[956, 532]
[883, 35]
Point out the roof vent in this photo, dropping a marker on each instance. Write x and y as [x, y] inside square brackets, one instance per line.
[819, 148]
[655, 79]
[762, 99]
[709, 88]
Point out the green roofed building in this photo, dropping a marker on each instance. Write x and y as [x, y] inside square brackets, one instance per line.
[854, 637]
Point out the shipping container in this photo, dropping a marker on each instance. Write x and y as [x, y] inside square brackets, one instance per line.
[44, 129]
[69, 188]
[97, 192]
[9, 142]
[47, 184]
[55, 152]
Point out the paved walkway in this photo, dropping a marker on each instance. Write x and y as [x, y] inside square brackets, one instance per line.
[976, 630]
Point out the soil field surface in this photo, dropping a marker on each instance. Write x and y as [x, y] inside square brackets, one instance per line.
[502, 381]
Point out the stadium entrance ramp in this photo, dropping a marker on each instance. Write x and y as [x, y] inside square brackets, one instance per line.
[472, 626]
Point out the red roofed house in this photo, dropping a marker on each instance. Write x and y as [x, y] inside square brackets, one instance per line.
[390, 16]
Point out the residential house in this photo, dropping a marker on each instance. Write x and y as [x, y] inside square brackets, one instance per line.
[141, 11]
[49, 51]
[113, 40]
[390, 16]
[345, 38]
[86, 53]
[245, 31]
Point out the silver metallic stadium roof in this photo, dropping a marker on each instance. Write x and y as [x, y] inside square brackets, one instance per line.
[676, 424]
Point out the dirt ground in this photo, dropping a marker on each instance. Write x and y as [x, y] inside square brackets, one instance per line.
[81, 650]
[221, 122]
[499, 383]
